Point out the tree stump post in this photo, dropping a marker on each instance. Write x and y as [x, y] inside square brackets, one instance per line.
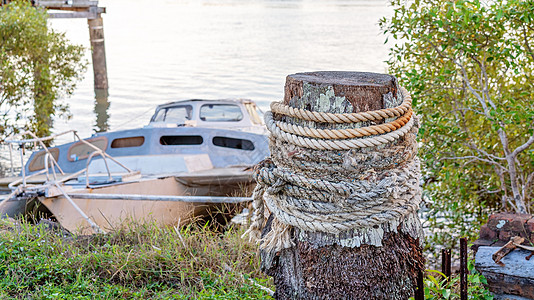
[380, 261]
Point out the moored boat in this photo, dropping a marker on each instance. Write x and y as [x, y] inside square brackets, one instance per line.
[193, 155]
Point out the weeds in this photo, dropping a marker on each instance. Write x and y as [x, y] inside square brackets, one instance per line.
[438, 286]
[138, 262]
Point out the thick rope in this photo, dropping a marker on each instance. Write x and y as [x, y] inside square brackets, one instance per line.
[322, 181]
[345, 133]
[343, 164]
[321, 117]
[361, 204]
[323, 144]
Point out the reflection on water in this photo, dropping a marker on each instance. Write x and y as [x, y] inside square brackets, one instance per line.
[162, 51]
[101, 110]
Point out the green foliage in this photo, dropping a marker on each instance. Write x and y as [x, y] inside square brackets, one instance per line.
[140, 262]
[38, 67]
[437, 286]
[469, 66]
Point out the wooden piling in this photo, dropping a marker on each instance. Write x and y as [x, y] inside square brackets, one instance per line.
[98, 50]
[324, 265]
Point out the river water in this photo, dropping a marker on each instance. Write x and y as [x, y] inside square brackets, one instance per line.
[161, 51]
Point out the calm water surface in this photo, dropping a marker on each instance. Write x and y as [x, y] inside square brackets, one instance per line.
[161, 51]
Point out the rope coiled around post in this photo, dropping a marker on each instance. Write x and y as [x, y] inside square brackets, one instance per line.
[344, 133]
[299, 191]
[320, 117]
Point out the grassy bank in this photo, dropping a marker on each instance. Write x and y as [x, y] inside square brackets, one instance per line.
[139, 262]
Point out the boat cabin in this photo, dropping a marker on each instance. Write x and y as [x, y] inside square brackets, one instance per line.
[181, 137]
[236, 114]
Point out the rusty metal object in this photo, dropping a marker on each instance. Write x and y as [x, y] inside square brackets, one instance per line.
[509, 247]
[420, 289]
[463, 269]
[446, 263]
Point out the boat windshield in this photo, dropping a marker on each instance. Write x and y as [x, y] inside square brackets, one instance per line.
[175, 114]
[253, 112]
[220, 113]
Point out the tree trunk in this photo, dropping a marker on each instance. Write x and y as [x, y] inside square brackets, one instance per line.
[347, 265]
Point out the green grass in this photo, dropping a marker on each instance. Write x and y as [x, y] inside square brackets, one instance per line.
[139, 262]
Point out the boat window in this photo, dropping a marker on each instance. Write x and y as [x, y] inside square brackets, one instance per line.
[169, 140]
[233, 143]
[81, 150]
[134, 141]
[220, 113]
[175, 114]
[37, 163]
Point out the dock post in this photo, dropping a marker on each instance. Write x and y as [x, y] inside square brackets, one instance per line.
[98, 50]
[336, 210]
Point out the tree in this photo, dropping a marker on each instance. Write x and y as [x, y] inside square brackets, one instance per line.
[38, 67]
[470, 67]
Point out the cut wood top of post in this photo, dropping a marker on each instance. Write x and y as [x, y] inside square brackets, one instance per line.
[345, 78]
[341, 92]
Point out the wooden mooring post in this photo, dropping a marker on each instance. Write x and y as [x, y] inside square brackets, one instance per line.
[98, 50]
[340, 223]
[90, 10]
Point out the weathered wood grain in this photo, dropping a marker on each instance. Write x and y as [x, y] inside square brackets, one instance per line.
[516, 277]
[96, 34]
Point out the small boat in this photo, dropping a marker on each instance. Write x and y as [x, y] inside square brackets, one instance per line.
[193, 157]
